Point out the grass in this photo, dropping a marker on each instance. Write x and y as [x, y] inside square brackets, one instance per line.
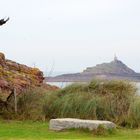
[100, 100]
[14, 130]
[114, 101]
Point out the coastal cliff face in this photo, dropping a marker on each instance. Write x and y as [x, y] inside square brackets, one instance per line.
[15, 75]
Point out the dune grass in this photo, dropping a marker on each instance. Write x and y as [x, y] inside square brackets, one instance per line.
[114, 101]
[98, 100]
[14, 130]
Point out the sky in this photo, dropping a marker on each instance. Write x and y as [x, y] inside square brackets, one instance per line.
[70, 35]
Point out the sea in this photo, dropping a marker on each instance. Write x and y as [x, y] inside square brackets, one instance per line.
[60, 84]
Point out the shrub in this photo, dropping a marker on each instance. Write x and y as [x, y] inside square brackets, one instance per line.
[103, 100]
[134, 113]
[30, 104]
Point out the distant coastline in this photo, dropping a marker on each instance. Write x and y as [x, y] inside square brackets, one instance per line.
[115, 70]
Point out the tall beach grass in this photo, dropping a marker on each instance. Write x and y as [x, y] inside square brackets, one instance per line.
[102, 100]
[114, 101]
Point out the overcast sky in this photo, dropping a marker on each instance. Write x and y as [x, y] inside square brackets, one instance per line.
[71, 35]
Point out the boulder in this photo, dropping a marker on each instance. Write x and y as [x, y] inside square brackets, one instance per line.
[68, 123]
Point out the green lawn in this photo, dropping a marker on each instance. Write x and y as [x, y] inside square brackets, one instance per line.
[39, 131]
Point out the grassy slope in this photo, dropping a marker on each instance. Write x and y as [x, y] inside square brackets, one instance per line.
[39, 131]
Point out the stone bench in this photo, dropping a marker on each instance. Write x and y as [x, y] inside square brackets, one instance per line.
[68, 123]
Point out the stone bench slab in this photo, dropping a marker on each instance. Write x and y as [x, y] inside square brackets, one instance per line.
[68, 123]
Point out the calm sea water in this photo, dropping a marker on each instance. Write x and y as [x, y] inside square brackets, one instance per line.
[60, 84]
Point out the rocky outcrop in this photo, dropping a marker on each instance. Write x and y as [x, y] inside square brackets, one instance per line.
[114, 67]
[15, 75]
[68, 123]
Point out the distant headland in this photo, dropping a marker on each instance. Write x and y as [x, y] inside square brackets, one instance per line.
[115, 70]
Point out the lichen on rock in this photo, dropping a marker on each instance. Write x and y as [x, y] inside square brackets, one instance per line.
[19, 76]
